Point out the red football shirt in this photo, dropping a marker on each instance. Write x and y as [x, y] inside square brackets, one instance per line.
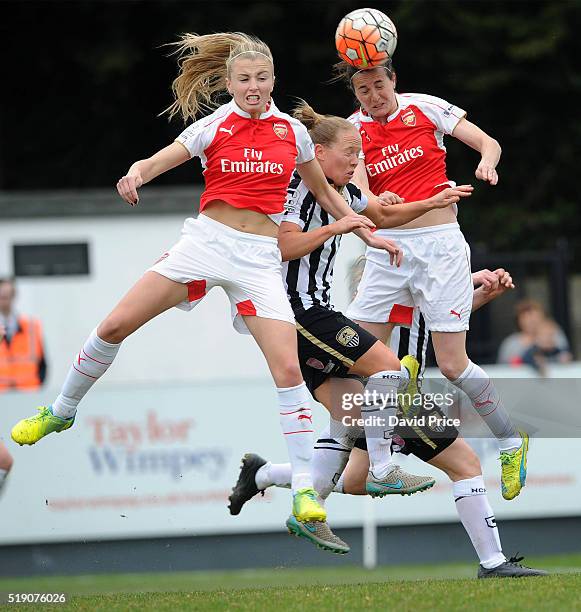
[248, 162]
[407, 155]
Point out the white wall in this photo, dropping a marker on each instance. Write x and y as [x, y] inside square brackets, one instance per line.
[177, 346]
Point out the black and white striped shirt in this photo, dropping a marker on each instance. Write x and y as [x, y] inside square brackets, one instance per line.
[308, 280]
[412, 340]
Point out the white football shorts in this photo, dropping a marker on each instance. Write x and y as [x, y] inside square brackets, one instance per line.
[434, 276]
[247, 266]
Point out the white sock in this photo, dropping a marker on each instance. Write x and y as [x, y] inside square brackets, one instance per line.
[91, 362]
[382, 391]
[475, 382]
[478, 520]
[339, 488]
[274, 475]
[330, 456]
[332, 451]
[296, 420]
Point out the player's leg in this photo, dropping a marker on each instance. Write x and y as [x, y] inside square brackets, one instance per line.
[381, 287]
[278, 342]
[329, 345]
[332, 447]
[181, 277]
[443, 290]
[334, 443]
[5, 463]
[462, 466]
[353, 480]
[382, 331]
[337, 439]
[387, 377]
[150, 296]
[450, 351]
[337, 345]
[260, 306]
[330, 453]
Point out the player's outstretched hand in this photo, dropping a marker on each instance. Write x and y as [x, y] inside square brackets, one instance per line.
[504, 283]
[350, 223]
[378, 242]
[451, 195]
[486, 172]
[127, 187]
[505, 279]
[387, 198]
[493, 284]
[486, 279]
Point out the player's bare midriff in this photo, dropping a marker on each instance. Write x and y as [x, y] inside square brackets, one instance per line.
[241, 219]
[439, 216]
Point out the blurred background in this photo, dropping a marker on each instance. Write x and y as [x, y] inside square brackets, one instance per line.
[157, 443]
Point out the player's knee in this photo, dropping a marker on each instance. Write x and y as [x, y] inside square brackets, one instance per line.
[451, 367]
[390, 363]
[465, 465]
[114, 329]
[470, 466]
[287, 373]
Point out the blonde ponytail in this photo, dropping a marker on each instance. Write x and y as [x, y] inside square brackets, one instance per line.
[204, 63]
[323, 129]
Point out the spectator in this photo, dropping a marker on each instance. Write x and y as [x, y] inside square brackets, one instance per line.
[539, 340]
[5, 457]
[22, 361]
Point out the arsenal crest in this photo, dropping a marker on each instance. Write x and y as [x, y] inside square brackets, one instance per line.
[408, 117]
[280, 130]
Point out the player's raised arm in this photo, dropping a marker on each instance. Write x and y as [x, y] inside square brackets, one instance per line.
[294, 243]
[325, 195]
[398, 214]
[480, 141]
[145, 170]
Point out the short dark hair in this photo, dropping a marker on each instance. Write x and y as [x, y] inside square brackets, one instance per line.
[344, 72]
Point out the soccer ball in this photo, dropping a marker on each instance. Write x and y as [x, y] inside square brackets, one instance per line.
[366, 38]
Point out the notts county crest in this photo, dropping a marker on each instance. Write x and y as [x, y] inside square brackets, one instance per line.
[280, 130]
[348, 337]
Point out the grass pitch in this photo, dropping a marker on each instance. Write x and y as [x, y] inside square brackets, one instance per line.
[441, 587]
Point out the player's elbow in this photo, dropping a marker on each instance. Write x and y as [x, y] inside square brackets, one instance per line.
[285, 247]
[385, 220]
[286, 254]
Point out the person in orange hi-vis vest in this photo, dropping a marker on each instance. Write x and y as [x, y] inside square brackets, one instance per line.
[5, 456]
[22, 361]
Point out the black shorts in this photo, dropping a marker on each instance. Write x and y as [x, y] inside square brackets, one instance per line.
[329, 344]
[425, 441]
